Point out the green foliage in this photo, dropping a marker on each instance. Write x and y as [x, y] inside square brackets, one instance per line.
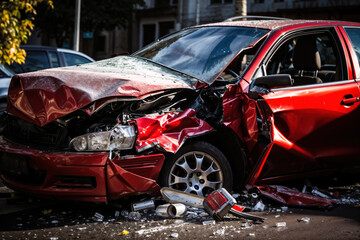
[96, 16]
[16, 23]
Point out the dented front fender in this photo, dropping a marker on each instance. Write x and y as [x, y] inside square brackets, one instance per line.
[169, 131]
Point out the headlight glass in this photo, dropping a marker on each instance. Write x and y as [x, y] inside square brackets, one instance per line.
[121, 137]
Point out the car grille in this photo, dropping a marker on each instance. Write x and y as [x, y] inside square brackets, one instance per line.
[51, 136]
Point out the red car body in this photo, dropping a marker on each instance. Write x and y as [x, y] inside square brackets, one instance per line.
[276, 134]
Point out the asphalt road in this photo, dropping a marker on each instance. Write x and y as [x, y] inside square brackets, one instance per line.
[23, 218]
[76, 222]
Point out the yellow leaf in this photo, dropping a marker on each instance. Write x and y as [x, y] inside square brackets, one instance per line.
[124, 232]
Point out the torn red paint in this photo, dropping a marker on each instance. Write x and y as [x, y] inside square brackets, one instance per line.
[243, 123]
[290, 196]
[169, 130]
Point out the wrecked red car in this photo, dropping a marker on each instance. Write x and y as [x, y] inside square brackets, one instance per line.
[220, 105]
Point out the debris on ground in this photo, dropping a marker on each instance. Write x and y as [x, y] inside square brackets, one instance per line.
[148, 204]
[174, 235]
[304, 219]
[182, 210]
[217, 204]
[98, 217]
[209, 222]
[171, 210]
[281, 224]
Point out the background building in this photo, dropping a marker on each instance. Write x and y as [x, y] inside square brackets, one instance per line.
[161, 17]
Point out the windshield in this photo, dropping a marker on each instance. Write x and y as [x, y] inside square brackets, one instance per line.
[201, 52]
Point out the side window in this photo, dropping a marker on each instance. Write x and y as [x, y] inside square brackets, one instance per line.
[309, 59]
[354, 35]
[54, 59]
[72, 59]
[35, 60]
[2, 74]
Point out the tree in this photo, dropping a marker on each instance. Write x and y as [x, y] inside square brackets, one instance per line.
[95, 16]
[16, 23]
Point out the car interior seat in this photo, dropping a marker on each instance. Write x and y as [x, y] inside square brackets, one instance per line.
[307, 60]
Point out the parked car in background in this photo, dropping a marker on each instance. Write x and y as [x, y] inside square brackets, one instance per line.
[226, 104]
[5, 77]
[42, 57]
[39, 58]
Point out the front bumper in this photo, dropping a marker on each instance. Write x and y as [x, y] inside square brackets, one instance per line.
[77, 176]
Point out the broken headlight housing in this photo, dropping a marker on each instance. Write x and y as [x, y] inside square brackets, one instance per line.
[120, 137]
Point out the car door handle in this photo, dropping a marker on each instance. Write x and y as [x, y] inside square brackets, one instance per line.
[350, 101]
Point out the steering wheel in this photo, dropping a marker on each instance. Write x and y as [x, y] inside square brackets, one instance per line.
[231, 72]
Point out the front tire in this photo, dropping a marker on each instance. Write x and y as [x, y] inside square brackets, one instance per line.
[198, 168]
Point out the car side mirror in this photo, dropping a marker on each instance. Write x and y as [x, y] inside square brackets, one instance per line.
[271, 81]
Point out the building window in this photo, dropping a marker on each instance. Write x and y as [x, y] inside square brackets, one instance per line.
[165, 3]
[154, 30]
[220, 1]
[100, 43]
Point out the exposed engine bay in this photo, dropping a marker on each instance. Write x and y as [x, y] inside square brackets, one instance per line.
[110, 124]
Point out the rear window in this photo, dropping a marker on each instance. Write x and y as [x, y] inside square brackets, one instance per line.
[73, 59]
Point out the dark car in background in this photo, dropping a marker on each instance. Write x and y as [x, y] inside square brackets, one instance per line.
[38, 58]
[5, 76]
[42, 57]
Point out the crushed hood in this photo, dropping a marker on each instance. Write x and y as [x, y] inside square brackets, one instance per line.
[43, 96]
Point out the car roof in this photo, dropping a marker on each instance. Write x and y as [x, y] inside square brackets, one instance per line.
[75, 52]
[38, 47]
[275, 24]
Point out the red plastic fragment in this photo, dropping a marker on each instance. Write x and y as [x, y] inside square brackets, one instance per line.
[238, 208]
[290, 196]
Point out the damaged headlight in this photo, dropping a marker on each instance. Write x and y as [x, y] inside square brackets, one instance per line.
[121, 137]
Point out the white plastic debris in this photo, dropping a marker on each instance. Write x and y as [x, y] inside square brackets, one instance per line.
[284, 209]
[246, 225]
[98, 217]
[319, 194]
[219, 232]
[82, 228]
[259, 206]
[54, 221]
[124, 213]
[209, 222]
[54, 238]
[277, 216]
[174, 235]
[281, 224]
[252, 234]
[236, 195]
[135, 216]
[304, 219]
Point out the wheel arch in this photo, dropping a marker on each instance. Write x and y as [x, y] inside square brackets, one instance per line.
[231, 146]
